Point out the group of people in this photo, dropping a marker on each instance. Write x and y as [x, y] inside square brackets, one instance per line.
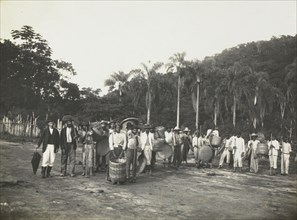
[51, 141]
[127, 145]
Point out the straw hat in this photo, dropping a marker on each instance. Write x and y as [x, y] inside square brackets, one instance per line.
[254, 135]
[176, 129]
[187, 129]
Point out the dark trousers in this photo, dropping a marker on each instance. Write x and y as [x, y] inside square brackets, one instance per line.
[131, 160]
[68, 151]
[177, 155]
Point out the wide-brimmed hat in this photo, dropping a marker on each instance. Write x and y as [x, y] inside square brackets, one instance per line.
[176, 129]
[50, 120]
[147, 126]
[187, 129]
[254, 135]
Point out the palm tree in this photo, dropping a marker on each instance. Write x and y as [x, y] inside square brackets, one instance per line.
[192, 81]
[147, 72]
[117, 81]
[236, 86]
[177, 63]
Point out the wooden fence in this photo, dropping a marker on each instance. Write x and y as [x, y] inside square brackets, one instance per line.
[24, 127]
[20, 127]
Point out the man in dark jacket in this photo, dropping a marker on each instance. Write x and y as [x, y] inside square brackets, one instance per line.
[68, 142]
[50, 140]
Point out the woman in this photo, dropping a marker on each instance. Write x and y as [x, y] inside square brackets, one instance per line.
[88, 148]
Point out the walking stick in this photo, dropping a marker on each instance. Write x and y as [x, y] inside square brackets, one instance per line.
[270, 169]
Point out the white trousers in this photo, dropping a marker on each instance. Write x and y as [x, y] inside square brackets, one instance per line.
[226, 153]
[147, 154]
[48, 157]
[196, 154]
[285, 160]
[273, 161]
[237, 161]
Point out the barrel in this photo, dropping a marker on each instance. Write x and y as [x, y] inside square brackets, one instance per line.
[117, 170]
[205, 153]
[216, 141]
[262, 149]
[158, 144]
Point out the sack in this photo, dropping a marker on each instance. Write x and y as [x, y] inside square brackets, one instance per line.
[216, 141]
[262, 149]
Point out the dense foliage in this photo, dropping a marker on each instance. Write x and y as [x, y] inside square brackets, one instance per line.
[250, 87]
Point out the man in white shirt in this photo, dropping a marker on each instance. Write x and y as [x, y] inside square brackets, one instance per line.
[238, 152]
[285, 157]
[177, 147]
[273, 146]
[253, 144]
[226, 153]
[117, 144]
[133, 144]
[50, 140]
[68, 141]
[147, 139]
[169, 141]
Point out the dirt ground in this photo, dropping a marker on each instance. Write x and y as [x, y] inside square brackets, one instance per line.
[188, 193]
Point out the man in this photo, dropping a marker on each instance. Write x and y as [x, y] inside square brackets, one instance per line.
[169, 141]
[226, 153]
[68, 143]
[117, 144]
[238, 152]
[253, 144]
[186, 144]
[273, 146]
[133, 144]
[197, 143]
[147, 139]
[50, 140]
[285, 157]
[177, 147]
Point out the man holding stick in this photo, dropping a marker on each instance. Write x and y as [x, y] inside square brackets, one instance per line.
[50, 140]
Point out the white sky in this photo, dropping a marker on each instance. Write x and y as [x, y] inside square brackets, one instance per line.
[99, 37]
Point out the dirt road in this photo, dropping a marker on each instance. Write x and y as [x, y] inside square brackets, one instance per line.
[188, 193]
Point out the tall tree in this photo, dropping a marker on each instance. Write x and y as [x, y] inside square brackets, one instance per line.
[117, 81]
[147, 72]
[177, 63]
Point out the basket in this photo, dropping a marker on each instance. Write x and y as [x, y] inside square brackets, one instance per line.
[165, 153]
[216, 141]
[102, 146]
[117, 170]
[262, 149]
[160, 131]
[141, 163]
[158, 144]
[205, 153]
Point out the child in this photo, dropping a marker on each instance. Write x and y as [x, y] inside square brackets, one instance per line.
[285, 157]
[89, 153]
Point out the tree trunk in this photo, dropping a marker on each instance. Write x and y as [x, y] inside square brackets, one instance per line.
[197, 106]
[178, 101]
[149, 100]
[215, 116]
[234, 110]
